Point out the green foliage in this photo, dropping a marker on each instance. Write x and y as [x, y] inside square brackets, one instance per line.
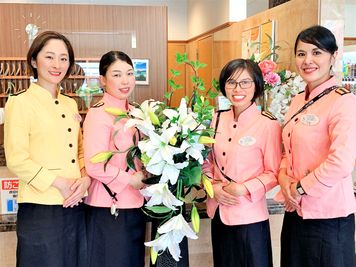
[198, 83]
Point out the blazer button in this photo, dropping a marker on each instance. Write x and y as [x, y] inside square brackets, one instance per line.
[222, 168]
[56, 102]
[63, 116]
[235, 126]
[69, 129]
[288, 134]
[296, 119]
[70, 145]
[224, 153]
[230, 139]
[73, 160]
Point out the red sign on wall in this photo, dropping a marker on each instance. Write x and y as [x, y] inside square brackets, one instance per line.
[9, 184]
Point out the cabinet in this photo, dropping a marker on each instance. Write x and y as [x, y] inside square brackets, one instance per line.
[82, 84]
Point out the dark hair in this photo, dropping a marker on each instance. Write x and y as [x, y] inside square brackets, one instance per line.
[109, 58]
[319, 36]
[239, 65]
[40, 41]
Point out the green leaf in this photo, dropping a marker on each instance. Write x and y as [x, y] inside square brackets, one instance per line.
[175, 73]
[130, 157]
[119, 117]
[212, 94]
[158, 209]
[168, 95]
[181, 58]
[152, 180]
[192, 174]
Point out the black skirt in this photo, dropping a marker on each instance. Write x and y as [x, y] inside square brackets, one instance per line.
[116, 242]
[50, 235]
[246, 245]
[317, 242]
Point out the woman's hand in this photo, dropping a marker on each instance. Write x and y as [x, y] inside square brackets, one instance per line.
[79, 189]
[64, 186]
[222, 196]
[136, 181]
[236, 189]
[291, 201]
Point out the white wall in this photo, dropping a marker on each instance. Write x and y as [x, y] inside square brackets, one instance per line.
[350, 22]
[256, 6]
[204, 15]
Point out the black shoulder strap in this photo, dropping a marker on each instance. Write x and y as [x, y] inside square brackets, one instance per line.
[112, 194]
[311, 102]
[216, 163]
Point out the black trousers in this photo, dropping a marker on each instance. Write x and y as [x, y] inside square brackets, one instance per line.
[317, 242]
[51, 236]
[241, 245]
[116, 242]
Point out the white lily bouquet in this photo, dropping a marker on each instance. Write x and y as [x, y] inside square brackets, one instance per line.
[173, 146]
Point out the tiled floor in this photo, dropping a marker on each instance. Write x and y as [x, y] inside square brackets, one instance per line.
[199, 250]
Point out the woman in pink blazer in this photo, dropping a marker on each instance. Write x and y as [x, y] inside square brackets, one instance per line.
[243, 166]
[113, 240]
[319, 139]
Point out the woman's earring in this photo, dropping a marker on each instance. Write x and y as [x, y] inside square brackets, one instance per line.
[332, 72]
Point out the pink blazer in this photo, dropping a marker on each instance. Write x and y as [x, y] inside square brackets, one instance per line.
[249, 152]
[320, 151]
[99, 128]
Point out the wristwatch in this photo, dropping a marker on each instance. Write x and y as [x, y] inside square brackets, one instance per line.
[300, 189]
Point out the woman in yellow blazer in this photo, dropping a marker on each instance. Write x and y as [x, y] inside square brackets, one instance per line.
[43, 146]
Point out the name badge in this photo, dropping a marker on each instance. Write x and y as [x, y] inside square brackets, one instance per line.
[247, 141]
[310, 119]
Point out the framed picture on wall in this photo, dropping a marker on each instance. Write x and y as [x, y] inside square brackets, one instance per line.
[250, 42]
[267, 40]
[141, 67]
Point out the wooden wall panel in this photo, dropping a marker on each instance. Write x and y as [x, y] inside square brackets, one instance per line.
[290, 18]
[173, 49]
[94, 30]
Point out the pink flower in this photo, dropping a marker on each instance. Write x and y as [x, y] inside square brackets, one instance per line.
[272, 79]
[267, 66]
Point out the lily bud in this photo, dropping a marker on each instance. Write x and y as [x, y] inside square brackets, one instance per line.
[153, 117]
[206, 140]
[208, 186]
[194, 216]
[154, 255]
[101, 157]
[115, 111]
[145, 159]
[173, 141]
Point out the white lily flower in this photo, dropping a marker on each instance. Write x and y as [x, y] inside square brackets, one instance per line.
[141, 116]
[179, 226]
[169, 172]
[166, 241]
[160, 194]
[185, 120]
[194, 149]
[157, 147]
[172, 233]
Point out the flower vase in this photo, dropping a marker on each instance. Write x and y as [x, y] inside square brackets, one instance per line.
[166, 259]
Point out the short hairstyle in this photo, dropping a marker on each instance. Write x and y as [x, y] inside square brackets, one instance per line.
[40, 41]
[319, 36]
[110, 57]
[240, 65]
